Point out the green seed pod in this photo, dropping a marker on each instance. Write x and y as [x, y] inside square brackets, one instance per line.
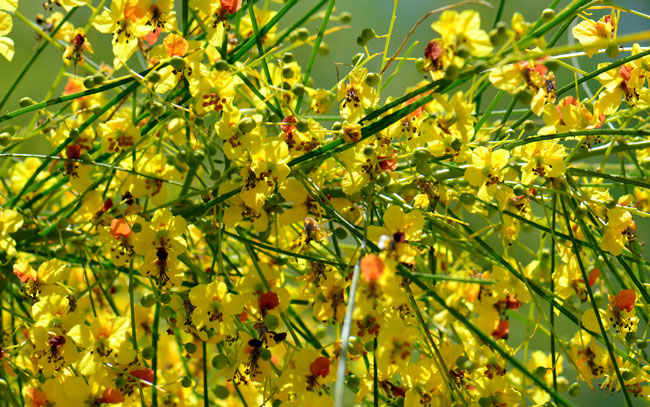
[154, 77]
[548, 14]
[298, 89]
[221, 392]
[147, 353]
[190, 348]
[177, 62]
[303, 34]
[220, 361]
[372, 79]
[287, 57]
[340, 233]
[345, 17]
[246, 124]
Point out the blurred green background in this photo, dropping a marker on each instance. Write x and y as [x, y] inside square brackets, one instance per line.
[342, 44]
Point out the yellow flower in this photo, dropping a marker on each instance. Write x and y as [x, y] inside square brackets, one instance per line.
[399, 229]
[160, 242]
[6, 43]
[214, 308]
[590, 32]
[485, 171]
[464, 29]
[619, 230]
[544, 159]
[10, 222]
[356, 96]
[123, 23]
[266, 170]
[118, 134]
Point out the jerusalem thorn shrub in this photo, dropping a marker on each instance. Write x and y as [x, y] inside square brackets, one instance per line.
[213, 229]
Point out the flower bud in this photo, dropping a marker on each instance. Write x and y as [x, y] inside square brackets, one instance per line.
[421, 154]
[548, 14]
[368, 150]
[5, 138]
[98, 78]
[302, 126]
[340, 233]
[368, 34]
[247, 124]
[372, 79]
[357, 57]
[221, 392]
[154, 77]
[89, 82]
[612, 50]
[529, 125]
[323, 49]
[303, 34]
[298, 89]
[147, 353]
[383, 179]
[190, 347]
[345, 17]
[186, 382]
[177, 62]
[574, 389]
[287, 72]
[26, 101]
[221, 65]
[220, 361]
